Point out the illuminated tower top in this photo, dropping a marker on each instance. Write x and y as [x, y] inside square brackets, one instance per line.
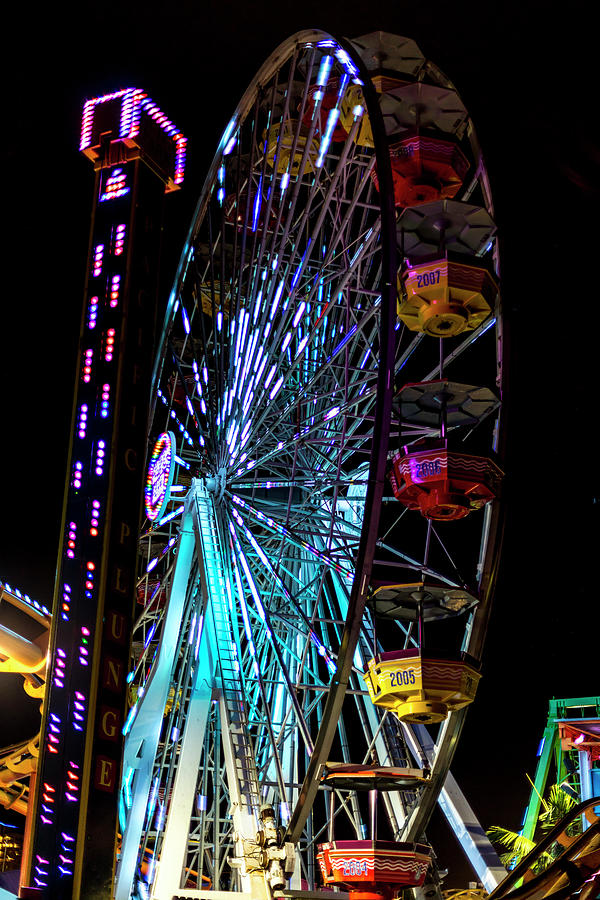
[126, 125]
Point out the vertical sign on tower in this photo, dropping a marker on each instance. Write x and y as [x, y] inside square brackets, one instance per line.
[138, 156]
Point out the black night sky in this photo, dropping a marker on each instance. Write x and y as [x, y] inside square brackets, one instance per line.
[527, 73]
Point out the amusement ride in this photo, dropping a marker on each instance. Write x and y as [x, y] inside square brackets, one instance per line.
[322, 511]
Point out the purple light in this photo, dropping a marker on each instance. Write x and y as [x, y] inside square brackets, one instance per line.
[92, 316]
[134, 102]
[98, 257]
[115, 284]
[88, 358]
[114, 187]
[324, 71]
[119, 239]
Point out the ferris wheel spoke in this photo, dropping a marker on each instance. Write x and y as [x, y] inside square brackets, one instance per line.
[404, 357]
[324, 198]
[333, 557]
[356, 409]
[461, 580]
[279, 379]
[273, 637]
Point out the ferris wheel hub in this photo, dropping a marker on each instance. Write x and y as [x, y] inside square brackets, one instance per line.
[215, 484]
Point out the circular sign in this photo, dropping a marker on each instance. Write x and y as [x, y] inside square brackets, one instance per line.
[160, 475]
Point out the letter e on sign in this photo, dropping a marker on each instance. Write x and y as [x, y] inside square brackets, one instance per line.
[105, 774]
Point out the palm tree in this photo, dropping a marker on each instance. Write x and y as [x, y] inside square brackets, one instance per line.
[555, 807]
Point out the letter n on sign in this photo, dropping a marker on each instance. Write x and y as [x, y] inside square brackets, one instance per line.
[112, 674]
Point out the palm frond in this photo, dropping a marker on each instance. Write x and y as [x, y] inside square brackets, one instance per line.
[558, 805]
[516, 844]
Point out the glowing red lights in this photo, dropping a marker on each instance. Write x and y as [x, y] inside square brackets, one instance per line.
[88, 358]
[71, 539]
[95, 518]
[92, 314]
[119, 239]
[115, 186]
[97, 261]
[159, 477]
[115, 283]
[109, 345]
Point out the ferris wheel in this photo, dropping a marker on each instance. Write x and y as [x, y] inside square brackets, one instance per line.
[317, 562]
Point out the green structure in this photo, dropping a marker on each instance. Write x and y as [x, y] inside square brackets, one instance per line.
[570, 748]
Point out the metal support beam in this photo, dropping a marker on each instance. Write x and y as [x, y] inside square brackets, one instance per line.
[461, 818]
[242, 777]
[175, 841]
[541, 774]
[142, 741]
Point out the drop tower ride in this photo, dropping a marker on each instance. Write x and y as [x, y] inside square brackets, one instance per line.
[138, 157]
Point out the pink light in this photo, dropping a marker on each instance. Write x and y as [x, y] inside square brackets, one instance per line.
[98, 255]
[88, 115]
[134, 101]
[115, 187]
[579, 739]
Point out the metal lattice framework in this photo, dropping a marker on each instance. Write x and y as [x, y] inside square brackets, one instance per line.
[278, 359]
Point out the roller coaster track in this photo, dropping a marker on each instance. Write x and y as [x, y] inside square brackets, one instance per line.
[574, 873]
[26, 657]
